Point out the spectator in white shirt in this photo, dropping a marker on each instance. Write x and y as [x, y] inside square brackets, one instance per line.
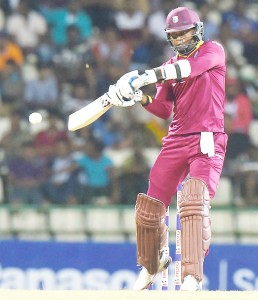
[26, 26]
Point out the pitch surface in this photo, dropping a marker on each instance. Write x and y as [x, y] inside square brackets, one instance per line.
[126, 295]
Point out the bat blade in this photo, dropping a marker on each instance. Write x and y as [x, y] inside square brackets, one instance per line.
[89, 113]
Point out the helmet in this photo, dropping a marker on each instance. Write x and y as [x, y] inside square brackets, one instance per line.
[180, 19]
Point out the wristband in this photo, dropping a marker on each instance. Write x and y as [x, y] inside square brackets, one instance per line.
[149, 100]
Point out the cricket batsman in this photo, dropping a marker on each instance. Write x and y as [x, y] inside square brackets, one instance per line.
[191, 87]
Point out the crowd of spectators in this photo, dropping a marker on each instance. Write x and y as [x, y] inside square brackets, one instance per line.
[58, 55]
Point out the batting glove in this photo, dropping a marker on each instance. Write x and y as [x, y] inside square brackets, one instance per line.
[137, 96]
[125, 85]
[117, 99]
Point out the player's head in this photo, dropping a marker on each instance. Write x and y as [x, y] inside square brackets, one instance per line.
[184, 30]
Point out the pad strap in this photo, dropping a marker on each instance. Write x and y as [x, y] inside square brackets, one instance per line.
[150, 231]
[194, 208]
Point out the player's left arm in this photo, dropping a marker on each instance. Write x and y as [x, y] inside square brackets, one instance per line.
[212, 56]
[121, 93]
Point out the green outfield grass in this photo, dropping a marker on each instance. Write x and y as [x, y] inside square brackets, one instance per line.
[126, 295]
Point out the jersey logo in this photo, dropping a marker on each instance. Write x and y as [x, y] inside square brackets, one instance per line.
[175, 83]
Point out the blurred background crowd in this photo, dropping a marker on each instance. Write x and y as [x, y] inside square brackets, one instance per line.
[56, 56]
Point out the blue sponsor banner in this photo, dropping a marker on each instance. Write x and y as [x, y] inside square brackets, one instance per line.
[112, 266]
[232, 267]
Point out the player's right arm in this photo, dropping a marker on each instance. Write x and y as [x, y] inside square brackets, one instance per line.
[162, 104]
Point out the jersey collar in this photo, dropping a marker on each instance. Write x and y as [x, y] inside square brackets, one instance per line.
[196, 48]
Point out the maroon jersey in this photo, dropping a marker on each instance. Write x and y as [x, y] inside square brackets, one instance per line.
[197, 102]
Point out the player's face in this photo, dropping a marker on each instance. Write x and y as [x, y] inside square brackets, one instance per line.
[182, 38]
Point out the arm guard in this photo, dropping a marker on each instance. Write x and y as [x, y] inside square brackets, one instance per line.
[178, 70]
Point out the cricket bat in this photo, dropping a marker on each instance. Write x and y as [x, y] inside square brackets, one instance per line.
[89, 113]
